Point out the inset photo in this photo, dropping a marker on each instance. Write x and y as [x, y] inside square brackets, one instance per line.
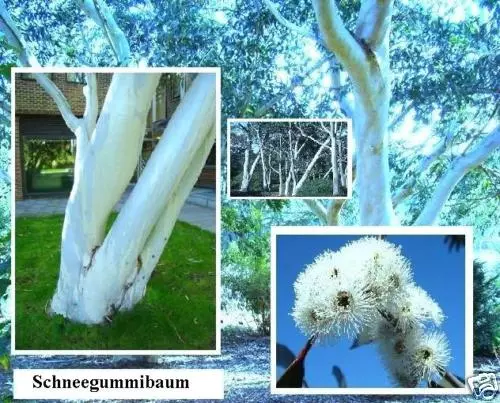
[288, 158]
[116, 211]
[371, 310]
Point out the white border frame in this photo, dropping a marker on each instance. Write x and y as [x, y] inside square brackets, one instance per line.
[213, 70]
[385, 230]
[292, 120]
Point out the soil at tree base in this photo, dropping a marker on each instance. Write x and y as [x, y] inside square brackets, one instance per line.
[245, 360]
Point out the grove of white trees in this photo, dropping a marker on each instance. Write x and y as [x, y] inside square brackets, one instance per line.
[105, 272]
[287, 155]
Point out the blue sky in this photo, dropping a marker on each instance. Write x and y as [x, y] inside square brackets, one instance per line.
[440, 272]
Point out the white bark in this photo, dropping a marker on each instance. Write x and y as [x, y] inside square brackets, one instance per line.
[103, 168]
[290, 25]
[27, 59]
[317, 208]
[304, 176]
[346, 106]
[14, 38]
[161, 232]
[342, 166]
[101, 14]
[407, 188]
[100, 275]
[60, 100]
[245, 180]
[459, 168]
[365, 57]
[248, 173]
[265, 185]
[279, 170]
[333, 160]
[340, 41]
[333, 211]
[91, 104]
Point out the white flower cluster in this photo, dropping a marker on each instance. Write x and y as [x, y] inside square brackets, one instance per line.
[366, 289]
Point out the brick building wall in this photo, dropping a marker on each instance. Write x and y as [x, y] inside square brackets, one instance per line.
[18, 167]
[32, 100]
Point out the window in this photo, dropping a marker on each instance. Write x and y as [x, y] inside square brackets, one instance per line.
[48, 164]
[78, 78]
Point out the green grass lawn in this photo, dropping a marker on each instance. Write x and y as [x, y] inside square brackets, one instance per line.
[177, 312]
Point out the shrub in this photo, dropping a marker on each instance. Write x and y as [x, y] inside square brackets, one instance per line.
[245, 260]
[316, 187]
[486, 312]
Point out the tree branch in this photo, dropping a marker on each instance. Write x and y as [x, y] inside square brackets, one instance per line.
[60, 100]
[288, 24]
[8, 27]
[459, 168]
[341, 42]
[91, 104]
[345, 106]
[374, 22]
[317, 208]
[309, 137]
[333, 210]
[309, 167]
[408, 187]
[14, 38]
[100, 13]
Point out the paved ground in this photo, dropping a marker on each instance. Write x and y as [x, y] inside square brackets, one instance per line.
[198, 210]
[246, 365]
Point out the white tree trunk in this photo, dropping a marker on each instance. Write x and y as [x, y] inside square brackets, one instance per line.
[297, 186]
[459, 168]
[364, 55]
[265, 185]
[101, 274]
[342, 167]
[280, 178]
[333, 156]
[245, 180]
[370, 132]
[247, 174]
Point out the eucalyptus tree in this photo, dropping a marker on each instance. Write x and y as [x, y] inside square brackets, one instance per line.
[440, 82]
[104, 272]
[364, 53]
[242, 142]
[290, 153]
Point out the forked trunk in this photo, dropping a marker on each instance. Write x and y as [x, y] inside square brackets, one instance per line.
[101, 274]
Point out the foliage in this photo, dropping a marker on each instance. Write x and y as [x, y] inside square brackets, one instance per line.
[4, 362]
[177, 311]
[39, 154]
[246, 260]
[486, 308]
[442, 81]
[317, 186]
